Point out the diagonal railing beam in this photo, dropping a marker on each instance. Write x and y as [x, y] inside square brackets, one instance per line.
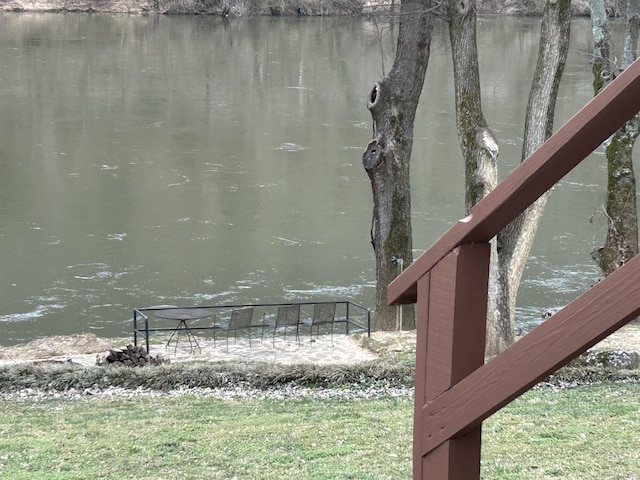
[582, 134]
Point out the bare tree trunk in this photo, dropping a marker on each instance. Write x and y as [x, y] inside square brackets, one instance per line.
[602, 72]
[621, 243]
[479, 147]
[516, 239]
[393, 103]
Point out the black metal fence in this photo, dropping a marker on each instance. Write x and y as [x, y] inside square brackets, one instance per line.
[148, 320]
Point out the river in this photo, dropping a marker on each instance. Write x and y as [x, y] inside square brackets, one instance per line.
[186, 160]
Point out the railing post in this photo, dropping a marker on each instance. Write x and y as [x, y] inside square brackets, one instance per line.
[135, 327]
[451, 325]
[146, 332]
[347, 324]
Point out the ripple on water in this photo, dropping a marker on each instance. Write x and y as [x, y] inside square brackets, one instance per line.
[332, 291]
[36, 313]
[290, 147]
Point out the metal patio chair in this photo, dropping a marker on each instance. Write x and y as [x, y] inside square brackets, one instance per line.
[323, 314]
[288, 318]
[240, 320]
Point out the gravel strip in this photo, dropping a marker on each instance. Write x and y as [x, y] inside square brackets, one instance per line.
[291, 392]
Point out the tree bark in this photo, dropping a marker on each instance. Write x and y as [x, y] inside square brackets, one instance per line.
[602, 73]
[621, 243]
[479, 147]
[393, 103]
[516, 239]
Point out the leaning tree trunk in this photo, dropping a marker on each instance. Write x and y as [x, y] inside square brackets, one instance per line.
[621, 243]
[479, 147]
[393, 103]
[516, 239]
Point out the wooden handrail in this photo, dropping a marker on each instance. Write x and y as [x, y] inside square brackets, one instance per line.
[454, 390]
[582, 134]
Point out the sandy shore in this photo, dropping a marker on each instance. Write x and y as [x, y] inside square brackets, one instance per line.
[86, 348]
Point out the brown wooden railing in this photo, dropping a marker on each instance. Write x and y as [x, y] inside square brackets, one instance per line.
[454, 389]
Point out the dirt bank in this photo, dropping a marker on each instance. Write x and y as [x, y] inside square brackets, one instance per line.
[59, 345]
[241, 8]
[382, 344]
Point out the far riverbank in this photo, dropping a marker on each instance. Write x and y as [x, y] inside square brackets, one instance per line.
[244, 8]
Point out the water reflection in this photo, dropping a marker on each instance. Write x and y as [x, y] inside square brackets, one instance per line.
[182, 160]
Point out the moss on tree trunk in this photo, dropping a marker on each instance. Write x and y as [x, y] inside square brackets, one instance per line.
[621, 242]
[393, 103]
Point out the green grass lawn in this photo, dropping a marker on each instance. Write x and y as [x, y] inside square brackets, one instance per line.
[590, 432]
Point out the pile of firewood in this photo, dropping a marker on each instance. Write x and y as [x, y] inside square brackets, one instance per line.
[130, 356]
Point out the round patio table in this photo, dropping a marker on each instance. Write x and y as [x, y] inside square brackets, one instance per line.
[183, 315]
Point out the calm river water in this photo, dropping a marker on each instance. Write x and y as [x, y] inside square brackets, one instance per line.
[192, 160]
